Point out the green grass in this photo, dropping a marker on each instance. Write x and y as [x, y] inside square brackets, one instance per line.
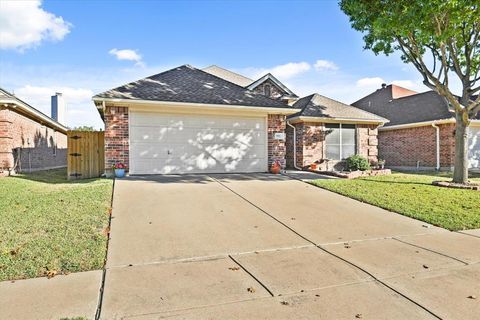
[50, 224]
[413, 195]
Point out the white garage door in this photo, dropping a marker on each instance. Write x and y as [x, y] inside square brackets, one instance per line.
[174, 143]
[474, 147]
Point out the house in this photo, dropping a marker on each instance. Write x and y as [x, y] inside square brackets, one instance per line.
[421, 131]
[29, 139]
[188, 120]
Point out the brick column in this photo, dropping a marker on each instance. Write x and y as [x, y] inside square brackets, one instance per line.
[276, 147]
[6, 140]
[116, 136]
[367, 142]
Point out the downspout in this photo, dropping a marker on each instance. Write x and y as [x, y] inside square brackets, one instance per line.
[294, 145]
[437, 130]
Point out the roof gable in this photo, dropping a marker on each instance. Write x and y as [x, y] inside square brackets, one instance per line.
[187, 84]
[275, 81]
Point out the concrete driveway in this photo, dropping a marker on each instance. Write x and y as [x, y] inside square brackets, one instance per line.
[260, 246]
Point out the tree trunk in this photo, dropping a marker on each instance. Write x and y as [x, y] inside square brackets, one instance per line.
[460, 172]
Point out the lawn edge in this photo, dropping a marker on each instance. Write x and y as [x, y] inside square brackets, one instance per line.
[379, 206]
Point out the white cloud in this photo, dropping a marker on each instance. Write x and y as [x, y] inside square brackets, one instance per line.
[127, 54]
[78, 101]
[24, 24]
[325, 65]
[375, 82]
[282, 72]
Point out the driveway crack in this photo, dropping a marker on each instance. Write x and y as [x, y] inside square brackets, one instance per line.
[323, 249]
[251, 275]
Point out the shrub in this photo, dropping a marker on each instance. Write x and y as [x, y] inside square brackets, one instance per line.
[357, 162]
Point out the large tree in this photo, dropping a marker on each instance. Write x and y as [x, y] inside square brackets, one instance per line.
[441, 38]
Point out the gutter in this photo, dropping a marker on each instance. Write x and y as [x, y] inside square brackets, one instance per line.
[419, 124]
[32, 112]
[294, 146]
[298, 119]
[132, 102]
[437, 130]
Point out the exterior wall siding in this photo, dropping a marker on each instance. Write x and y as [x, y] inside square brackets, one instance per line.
[29, 144]
[311, 145]
[116, 136]
[417, 146]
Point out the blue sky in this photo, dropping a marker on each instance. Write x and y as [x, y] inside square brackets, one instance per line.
[82, 48]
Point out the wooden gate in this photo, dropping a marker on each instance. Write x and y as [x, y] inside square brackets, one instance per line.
[86, 154]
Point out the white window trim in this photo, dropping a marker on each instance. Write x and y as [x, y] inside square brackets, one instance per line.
[341, 142]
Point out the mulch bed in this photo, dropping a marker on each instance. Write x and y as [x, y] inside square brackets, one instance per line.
[448, 184]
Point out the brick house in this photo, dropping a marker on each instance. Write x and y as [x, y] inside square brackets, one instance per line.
[187, 120]
[29, 139]
[421, 131]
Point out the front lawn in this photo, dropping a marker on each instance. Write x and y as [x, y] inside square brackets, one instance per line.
[50, 226]
[413, 195]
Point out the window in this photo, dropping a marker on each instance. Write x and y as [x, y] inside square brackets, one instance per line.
[340, 141]
[267, 90]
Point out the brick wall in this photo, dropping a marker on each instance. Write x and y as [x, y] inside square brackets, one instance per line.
[276, 148]
[30, 144]
[406, 147]
[116, 136]
[311, 145]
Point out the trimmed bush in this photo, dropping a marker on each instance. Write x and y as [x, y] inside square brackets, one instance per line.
[357, 162]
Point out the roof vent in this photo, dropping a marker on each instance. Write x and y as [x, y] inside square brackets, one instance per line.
[384, 85]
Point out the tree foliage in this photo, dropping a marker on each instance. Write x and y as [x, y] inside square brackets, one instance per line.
[441, 38]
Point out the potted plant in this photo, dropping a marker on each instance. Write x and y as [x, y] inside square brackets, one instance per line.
[119, 169]
[313, 166]
[276, 167]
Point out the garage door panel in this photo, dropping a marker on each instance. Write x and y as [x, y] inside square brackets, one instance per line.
[146, 150]
[196, 144]
[142, 134]
[147, 119]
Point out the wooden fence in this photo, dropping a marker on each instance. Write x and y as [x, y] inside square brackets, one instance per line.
[86, 154]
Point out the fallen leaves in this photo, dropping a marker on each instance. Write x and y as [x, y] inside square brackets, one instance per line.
[51, 273]
[358, 316]
[472, 297]
[251, 289]
[234, 268]
[285, 303]
[425, 266]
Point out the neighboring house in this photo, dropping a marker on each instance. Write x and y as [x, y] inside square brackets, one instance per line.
[29, 139]
[187, 120]
[421, 131]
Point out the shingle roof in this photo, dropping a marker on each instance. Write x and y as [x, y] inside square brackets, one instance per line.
[190, 85]
[228, 75]
[420, 107]
[316, 105]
